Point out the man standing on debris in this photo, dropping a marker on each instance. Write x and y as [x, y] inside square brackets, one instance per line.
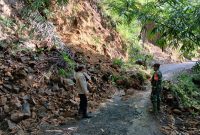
[156, 83]
[81, 82]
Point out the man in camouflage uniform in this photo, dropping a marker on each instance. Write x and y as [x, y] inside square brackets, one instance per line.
[156, 83]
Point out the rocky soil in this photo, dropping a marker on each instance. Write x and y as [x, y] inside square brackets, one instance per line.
[33, 91]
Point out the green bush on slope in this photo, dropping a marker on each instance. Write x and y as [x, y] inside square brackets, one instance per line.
[186, 90]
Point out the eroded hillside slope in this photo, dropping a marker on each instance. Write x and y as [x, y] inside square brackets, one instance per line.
[34, 53]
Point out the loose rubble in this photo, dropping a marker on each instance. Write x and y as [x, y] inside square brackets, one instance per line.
[177, 119]
[32, 91]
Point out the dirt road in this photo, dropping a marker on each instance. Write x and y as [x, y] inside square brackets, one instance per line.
[123, 117]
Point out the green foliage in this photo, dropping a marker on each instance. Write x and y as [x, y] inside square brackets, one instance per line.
[176, 22]
[120, 81]
[6, 21]
[37, 4]
[192, 54]
[40, 5]
[69, 68]
[136, 53]
[63, 72]
[141, 76]
[114, 78]
[187, 91]
[128, 26]
[196, 67]
[21, 28]
[118, 62]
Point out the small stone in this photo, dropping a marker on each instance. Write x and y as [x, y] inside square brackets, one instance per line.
[42, 112]
[1, 112]
[29, 45]
[20, 132]
[178, 121]
[26, 108]
[11, 125]
[170, 96]
[8, 86]
[177, 111]
[17, 116]
[3, 100]
[67, 82]
[1, 82]
[34, 115]
[16, 89]
[8, 74]
[6, 109]
[32, 101]
[16, 102]
[26, 97]
[74, 102]
[55, 87]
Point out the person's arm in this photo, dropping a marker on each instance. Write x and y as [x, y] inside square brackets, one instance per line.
[87, 76]
[160, 76]
[152, 79]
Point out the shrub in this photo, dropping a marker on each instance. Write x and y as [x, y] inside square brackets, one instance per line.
[40, 5]
[6, 21]
[187, 91]
[66, 66]
[196, 67]
[118, 62]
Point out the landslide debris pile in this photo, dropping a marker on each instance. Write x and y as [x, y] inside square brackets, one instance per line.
[32, 90]
[34, 63]
[178, 119]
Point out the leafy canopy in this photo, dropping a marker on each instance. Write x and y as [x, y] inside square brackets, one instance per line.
[176, 21]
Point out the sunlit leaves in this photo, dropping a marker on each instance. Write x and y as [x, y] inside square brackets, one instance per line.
[176, 21]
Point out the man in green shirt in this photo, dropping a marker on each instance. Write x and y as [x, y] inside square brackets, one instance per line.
[156, 82]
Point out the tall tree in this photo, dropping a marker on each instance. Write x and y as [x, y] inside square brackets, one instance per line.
[176, 21]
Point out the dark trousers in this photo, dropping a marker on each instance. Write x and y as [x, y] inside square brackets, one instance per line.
[155, 99]
[83, 104]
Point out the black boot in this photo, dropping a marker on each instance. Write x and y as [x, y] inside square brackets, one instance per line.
[86, 116]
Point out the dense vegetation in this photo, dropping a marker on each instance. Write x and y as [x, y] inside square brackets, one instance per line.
[40, 5]
[187, 87]
[175, 22]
